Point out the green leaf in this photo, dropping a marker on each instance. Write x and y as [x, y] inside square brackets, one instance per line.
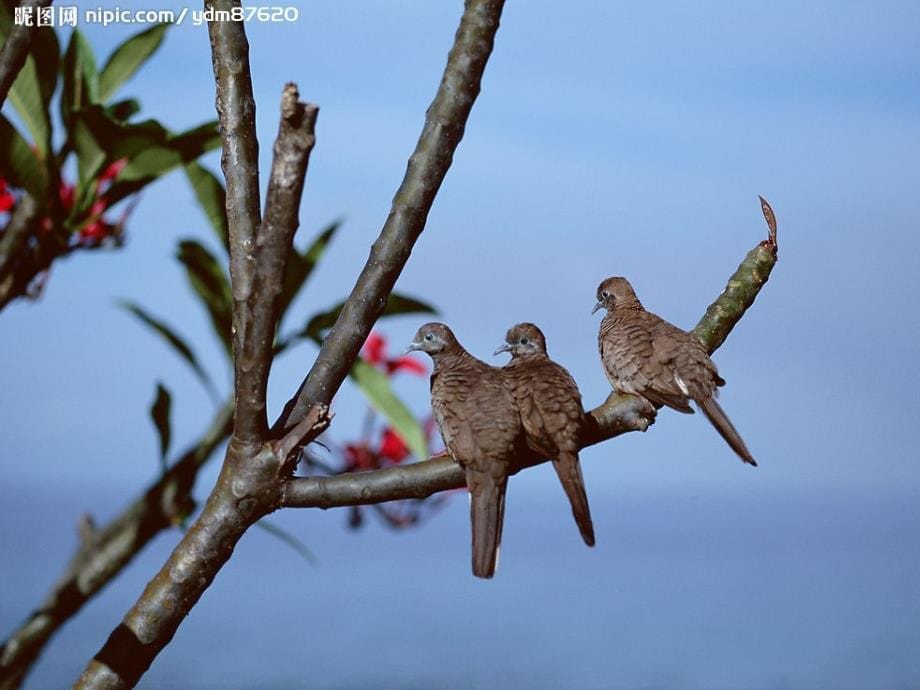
[80, 86]
[397, 304]
[288, 539]
[209, 281]
[127, 58]
[159, 413]
[212, 197]
[19, 165]
[26, 97]
[46, 51]
[158, 159]
[300, 266]
[99, 139]
[90, 159]
[376, 387]
[97, 136]
[151, 151]
[34, 86]
[177, 343]
[122, 111]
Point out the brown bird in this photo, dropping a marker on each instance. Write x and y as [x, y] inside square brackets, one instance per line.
[549, 403]
[481, 429]
[645, 355]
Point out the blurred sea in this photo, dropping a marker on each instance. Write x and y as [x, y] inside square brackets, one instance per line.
[686, 589]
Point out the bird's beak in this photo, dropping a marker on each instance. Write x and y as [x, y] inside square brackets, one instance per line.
[412, 347]
[502, 348]
[599, 305]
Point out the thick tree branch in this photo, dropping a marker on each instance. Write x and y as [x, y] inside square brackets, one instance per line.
[444, 125]
[236, 111]
[105, 551]
[249, 487]
[254, 471]
[16, 48]
[617, 415]
[251, 477]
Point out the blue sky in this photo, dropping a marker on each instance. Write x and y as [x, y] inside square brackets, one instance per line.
[609, 138]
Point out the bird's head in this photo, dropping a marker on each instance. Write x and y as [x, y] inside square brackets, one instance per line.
[524, 340]
[614, 291]
[433, 338]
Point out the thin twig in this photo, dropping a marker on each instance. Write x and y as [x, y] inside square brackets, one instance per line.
[444, 125]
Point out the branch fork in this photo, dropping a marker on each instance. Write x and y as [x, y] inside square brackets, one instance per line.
[287, 448]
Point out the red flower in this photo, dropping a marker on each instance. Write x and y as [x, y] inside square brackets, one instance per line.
[374, 351]
[391, 451]
[96, 231]
[66, 194]
[359, 457]
[410, 364]
[111, 172]
[392, 447]
[108, 175]
[375, 348]
[7, 200]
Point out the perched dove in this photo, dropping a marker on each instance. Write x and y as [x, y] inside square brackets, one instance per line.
[549, 403]
[482, 431]
[645, 355]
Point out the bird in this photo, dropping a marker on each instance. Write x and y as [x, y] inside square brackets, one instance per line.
[644, 355]
[482, 431]
[549, 404]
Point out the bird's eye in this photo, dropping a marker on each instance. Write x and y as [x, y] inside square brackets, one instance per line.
[429, 336]
[605, 294]
[524, 341]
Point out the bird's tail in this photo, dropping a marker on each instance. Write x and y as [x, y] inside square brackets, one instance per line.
[569, 471]
[715, 414]
[487, 514]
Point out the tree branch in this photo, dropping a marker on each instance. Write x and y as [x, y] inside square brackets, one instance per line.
[296, 137]
[617, 415]
[248, 488]
[16, 48]
[236, 111]
[12, 243]
[105, 551]
[444, 125]
[249, 485]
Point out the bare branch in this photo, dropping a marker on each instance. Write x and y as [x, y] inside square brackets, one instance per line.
[105, 551]
[247, 489]
[722, 315]
[444, 125]
[617, 415]
[236, 109]
[16, 49]
[273, 245]
[306, 430]
[252, 476]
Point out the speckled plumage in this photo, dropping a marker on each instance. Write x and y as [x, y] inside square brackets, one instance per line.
[644, 355]
[481, 429]
[549, 403]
